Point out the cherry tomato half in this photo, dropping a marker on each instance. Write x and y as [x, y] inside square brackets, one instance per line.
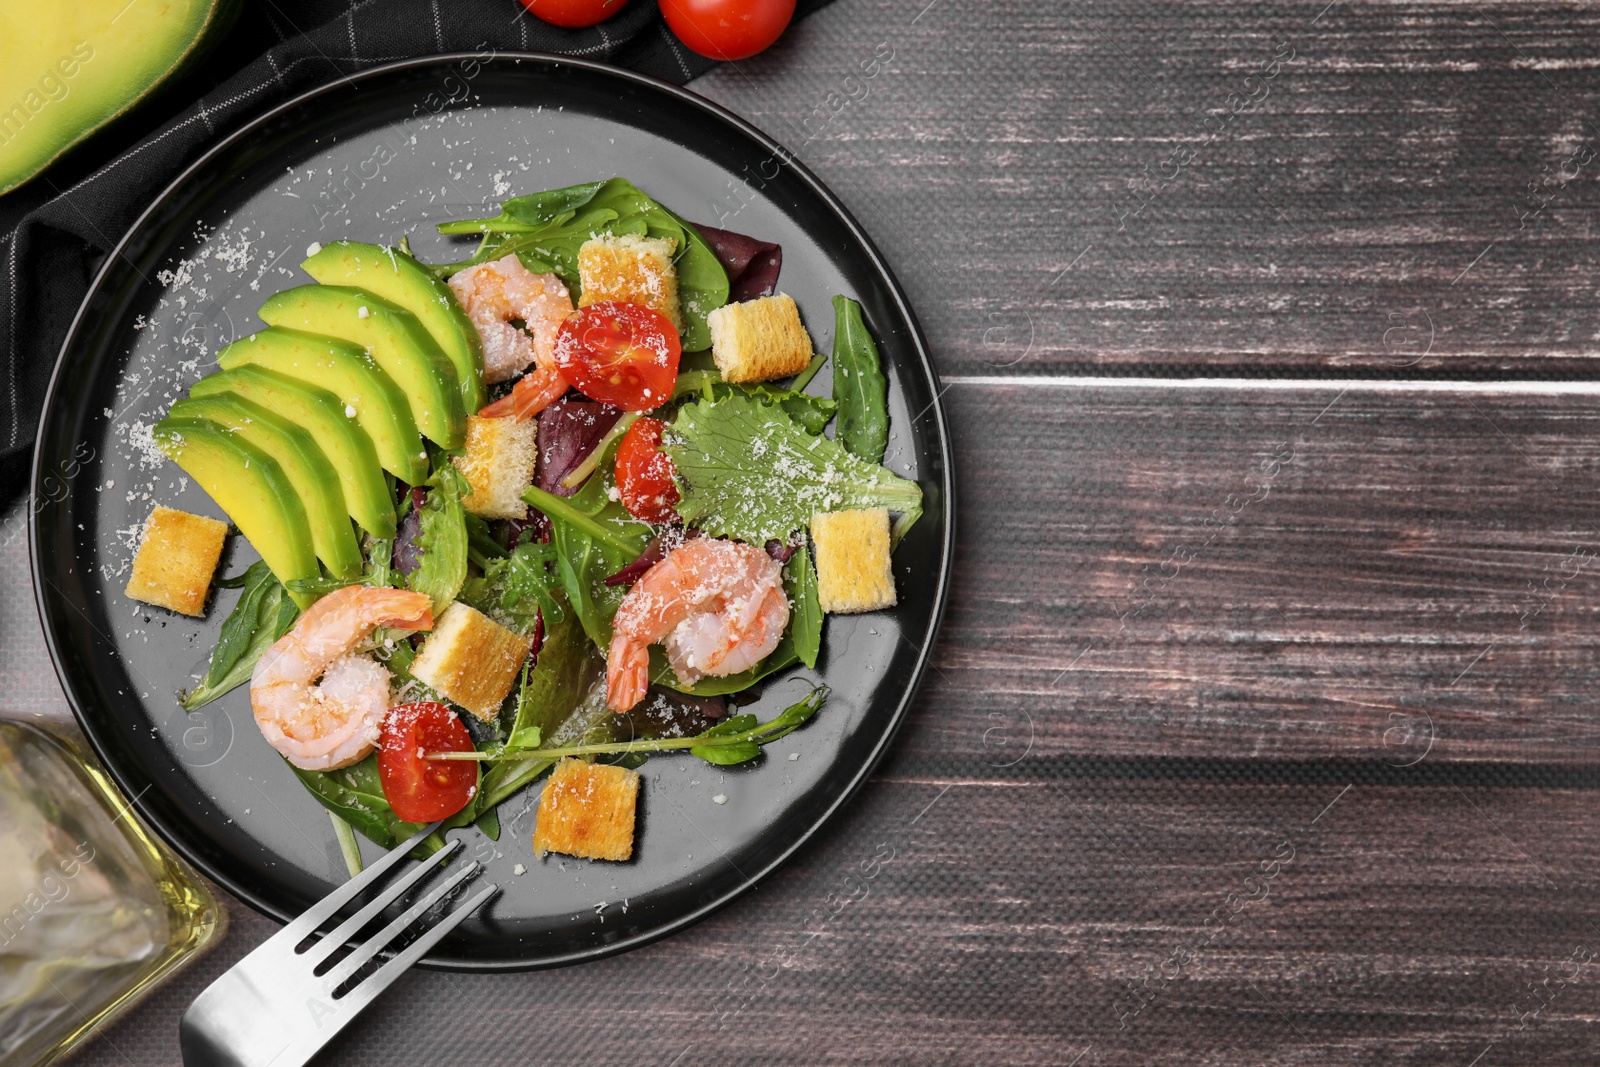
[728, 29]
[574, 14]
[624, 355]
[644, 475]
[418, 789]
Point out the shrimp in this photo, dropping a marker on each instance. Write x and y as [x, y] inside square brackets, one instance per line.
[321, 727]
[493, 294]
[717, 606]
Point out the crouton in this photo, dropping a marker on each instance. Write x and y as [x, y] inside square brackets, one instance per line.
[759, 340]
[176, 560]
[471, 660]
[499, 463]
[587, 809]
[852, 548]
[635, 270]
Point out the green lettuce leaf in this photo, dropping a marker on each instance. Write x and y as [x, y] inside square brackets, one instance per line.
[263, 614]
[746, 470]
[443, 540]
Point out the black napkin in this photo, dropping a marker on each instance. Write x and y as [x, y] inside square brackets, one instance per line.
[56, 230]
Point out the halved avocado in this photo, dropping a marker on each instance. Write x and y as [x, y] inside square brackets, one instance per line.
[369, 395]
[397, 277]
[308, 470]
[66, 69]
[394, 339]
[319, 413]
[251, 488]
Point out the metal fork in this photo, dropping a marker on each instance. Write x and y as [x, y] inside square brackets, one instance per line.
[272, 1008]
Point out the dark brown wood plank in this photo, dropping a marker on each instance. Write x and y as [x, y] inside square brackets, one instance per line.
[964, 921]
[1328, 228]
[1379, 575]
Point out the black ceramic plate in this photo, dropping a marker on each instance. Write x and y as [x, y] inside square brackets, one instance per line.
[377, 157]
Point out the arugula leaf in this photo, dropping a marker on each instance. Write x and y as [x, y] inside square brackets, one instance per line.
[805, 621]
[859, 386]
[746, 470]
[263, 614]
[443, 540]
[516, 587]
[736, 740]
[553, 225]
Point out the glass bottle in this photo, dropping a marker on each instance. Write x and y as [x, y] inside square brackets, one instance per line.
[94, 911]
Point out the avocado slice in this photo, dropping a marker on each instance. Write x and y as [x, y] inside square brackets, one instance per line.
[319, 413]
[68, 69]
[369, 396]
[397, 277]
[308, 470]
[394, 339]
[251, 488]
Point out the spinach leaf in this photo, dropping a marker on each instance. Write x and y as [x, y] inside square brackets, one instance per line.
[859, 386]
[594, 538]
[552, 226]
[516, 587]
[263, 614]
[355, 794]
[805, 621]
[443, 540]
[746, 470]
[567, 670]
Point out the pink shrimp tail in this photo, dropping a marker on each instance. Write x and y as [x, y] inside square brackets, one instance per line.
[627, 673]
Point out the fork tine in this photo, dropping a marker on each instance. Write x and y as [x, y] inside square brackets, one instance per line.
[324, 909]
[391, 892]
[379, 941]
[367, 991]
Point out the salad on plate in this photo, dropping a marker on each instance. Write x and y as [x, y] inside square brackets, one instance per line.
[534, 515]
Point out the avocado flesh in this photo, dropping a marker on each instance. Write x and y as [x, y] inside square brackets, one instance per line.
[396, 341]
[369, 395]
[308, 470]
[400, 279]
[251, 488]
[347, 447]
[67, 69]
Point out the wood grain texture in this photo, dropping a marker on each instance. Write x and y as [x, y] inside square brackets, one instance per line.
[1327, 228]
[967, 921]
[1316, 573]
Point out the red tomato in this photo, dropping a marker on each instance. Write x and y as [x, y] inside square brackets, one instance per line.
[728, 29]
[418, 789]
[644, 475]
[624, 355]
[574, 14]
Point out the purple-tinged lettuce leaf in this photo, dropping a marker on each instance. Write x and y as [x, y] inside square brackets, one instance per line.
[752, 265]
[568, 431]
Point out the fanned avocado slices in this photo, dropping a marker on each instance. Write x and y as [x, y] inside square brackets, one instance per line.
[394, 338]
[401, 280]
[370, 396]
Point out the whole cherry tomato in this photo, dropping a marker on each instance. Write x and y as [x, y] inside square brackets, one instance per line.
[625, 355]
[574, 14]
[420, 789]
[728, 29]
[644, 474]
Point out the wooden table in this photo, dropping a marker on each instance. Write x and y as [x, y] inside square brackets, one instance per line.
[1261, 729]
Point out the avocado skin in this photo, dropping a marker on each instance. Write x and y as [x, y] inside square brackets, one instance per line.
[105, 91]
[393, 337]
[347, 447]
[400, 279]
[315, 481]
[250, 487]
[346, 370]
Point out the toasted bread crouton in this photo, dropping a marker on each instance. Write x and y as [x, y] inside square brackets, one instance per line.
[470, 659]
[176, 560]
[759, 340]
[587, 809]
[853, 571]
[633, 269]
[498, 464]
